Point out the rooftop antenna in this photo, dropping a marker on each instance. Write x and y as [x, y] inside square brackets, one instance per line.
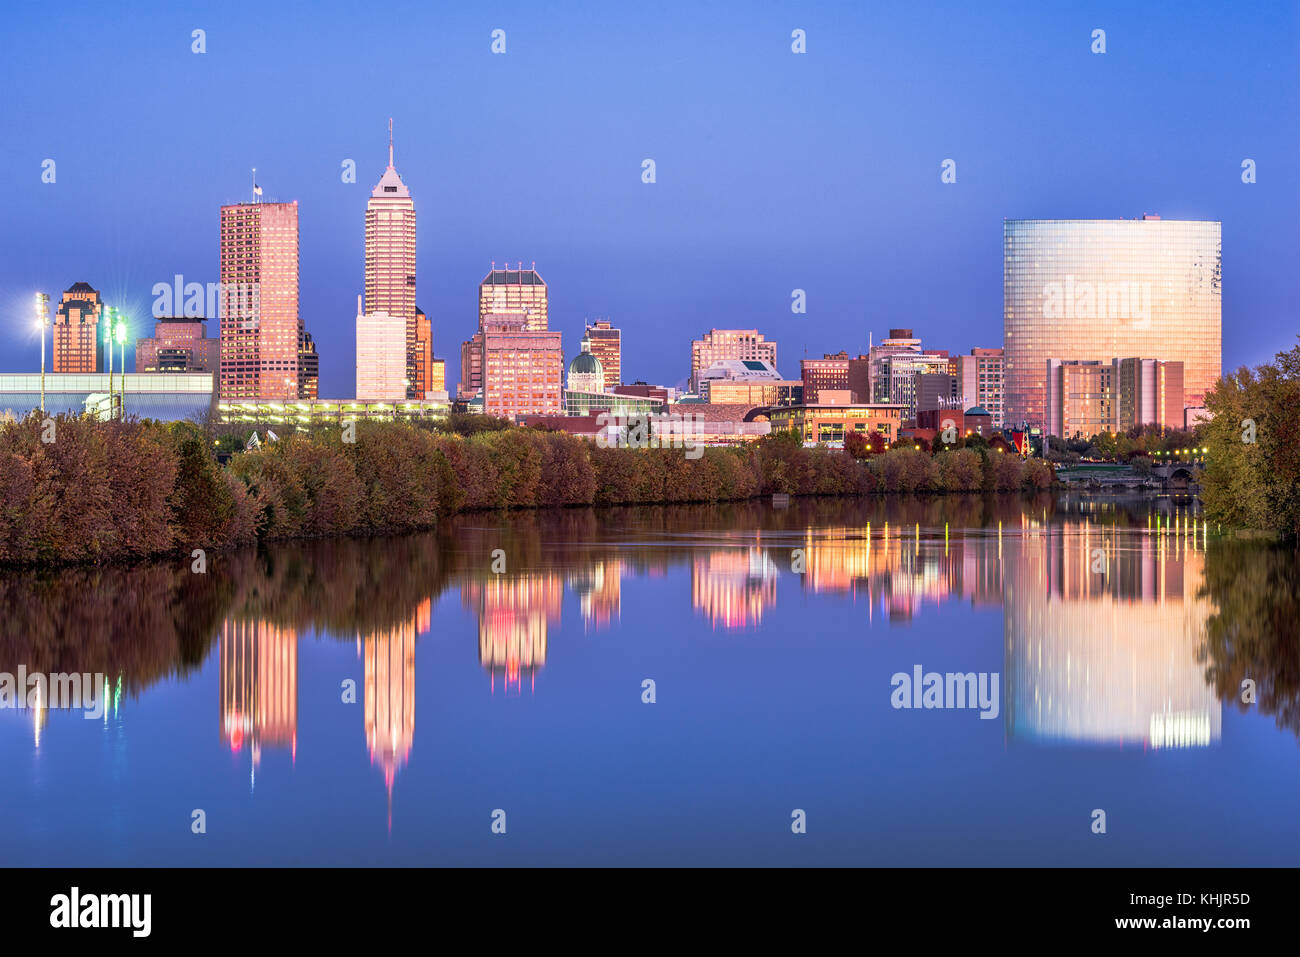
[390, 142]
[257, 190]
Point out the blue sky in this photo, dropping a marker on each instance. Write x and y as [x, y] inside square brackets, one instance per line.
[775, 171]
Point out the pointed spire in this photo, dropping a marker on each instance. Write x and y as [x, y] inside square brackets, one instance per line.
[390, 142]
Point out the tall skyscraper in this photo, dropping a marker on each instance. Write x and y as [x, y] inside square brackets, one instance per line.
[1100, 289]
[390, 259]
[261, 331]
[521, 290]
[607, 346]
[503, 293]
[719, 344]
[76, 348]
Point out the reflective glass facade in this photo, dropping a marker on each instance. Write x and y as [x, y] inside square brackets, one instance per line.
[1101, 289]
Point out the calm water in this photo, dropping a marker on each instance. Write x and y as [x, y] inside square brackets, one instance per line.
[521, 690]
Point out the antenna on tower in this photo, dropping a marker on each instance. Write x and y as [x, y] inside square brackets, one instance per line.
[390, 142]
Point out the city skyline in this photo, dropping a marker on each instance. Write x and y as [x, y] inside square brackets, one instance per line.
[649, 256]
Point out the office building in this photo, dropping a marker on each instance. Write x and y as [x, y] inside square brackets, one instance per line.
[381, 357]
[1151, 392]
[1092, 290]
[830, 421]
[503, 293]
[1089, 396]
[607, 346]
[519, 290]
[898, 374]
[522, 367]
[717, 345]
[828, 372]
[308, 368]
[178, 344]
[423, 354]
[937, 390]
[75, 331]
[1081, 397]
[390, 260]
[261, 331]
[983, 380]
[898, 342]
[749, 382]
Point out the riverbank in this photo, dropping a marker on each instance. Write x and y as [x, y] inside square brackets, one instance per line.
[87, 491]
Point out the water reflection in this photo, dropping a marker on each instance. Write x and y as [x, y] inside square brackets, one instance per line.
[1125, 623]
[258, 688]
[389, 657]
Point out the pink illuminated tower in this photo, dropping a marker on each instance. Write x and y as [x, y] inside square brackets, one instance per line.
[260, 325]
[390, 258]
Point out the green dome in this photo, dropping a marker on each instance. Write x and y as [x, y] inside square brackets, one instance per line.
[584, 363]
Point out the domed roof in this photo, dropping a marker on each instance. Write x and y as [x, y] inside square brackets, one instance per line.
[584, 363]
[976, 410]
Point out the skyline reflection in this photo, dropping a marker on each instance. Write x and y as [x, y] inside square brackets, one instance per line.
[1116, 657]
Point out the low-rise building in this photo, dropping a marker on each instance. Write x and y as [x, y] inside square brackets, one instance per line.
[831, 421]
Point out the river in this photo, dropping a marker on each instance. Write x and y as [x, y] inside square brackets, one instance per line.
[891, 681]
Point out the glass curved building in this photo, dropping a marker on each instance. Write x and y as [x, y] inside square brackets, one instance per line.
[1101, 289]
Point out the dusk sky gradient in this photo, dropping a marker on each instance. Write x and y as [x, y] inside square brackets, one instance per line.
[775, 171]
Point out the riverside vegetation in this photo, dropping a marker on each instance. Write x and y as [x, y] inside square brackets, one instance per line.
[125, 490]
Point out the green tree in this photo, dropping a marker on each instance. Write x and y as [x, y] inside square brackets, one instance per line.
[1252, 472]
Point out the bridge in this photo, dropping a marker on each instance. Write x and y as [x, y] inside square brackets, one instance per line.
[1171, 476]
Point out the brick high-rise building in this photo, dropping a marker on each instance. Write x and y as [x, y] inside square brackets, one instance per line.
[390, 259]
[75, 343]
[505, 291]
[261, 331]
[308, 368]
[836, 373]
[178, 344]
[717, 345]
[471, 366]
[607, 346]
[982, 381]
[522, 368]
[423, 354]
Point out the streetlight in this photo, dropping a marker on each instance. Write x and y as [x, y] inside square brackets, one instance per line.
[41, 319]
[108, 343]
[120, 332]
